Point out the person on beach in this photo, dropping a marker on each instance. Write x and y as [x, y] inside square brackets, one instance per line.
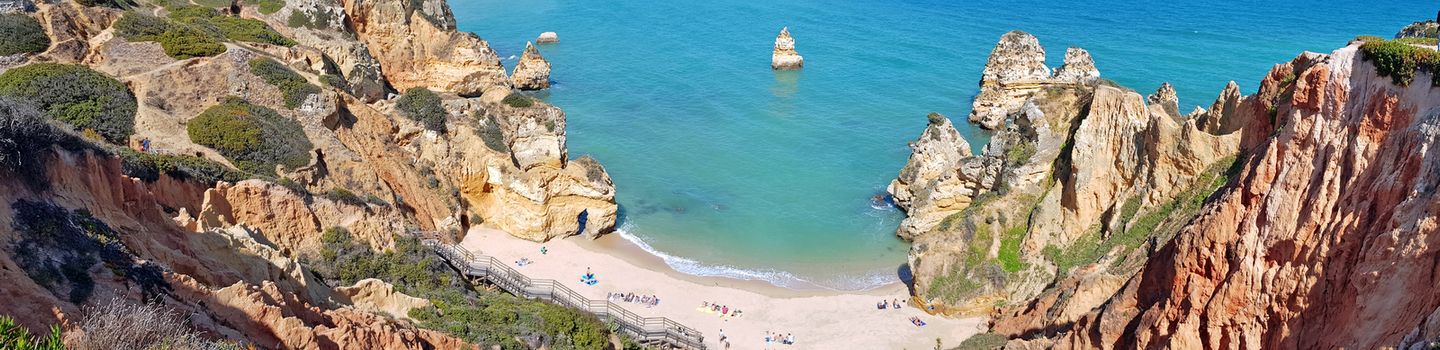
[897, 304]
[542, 250]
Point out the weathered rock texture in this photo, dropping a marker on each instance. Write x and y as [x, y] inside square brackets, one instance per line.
[1016, 70]
[1421, 29]
[418, 46]
[1080, 171]
[547, 38]
[1321, 241]
[784, 55]
[532, 72]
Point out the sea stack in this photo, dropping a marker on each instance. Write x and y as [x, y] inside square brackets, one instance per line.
[1016, 70]
[533, 72]
[547, 38]
[785, 56]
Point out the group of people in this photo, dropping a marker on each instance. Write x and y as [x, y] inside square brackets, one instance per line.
[647, 300]
[787, 339]
[588, 278]
[888, 304]
[723, 310]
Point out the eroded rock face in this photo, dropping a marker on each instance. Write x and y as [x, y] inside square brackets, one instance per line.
[419, 47]
[784, 55]
[1318, 243]
[1165, 99]
[1016, 69]
[1076, 164]
[940, 179]
[547, 38]
[532, 72]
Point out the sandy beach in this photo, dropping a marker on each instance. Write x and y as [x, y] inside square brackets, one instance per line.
[817, 319]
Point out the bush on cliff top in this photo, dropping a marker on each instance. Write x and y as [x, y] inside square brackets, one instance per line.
[294, 86]
[76, 95]
[1399, 61]
[148, 167]
[459, 309]
[59, 247]
[180, 40]
[422, 105]
[23, 35]
[518, 101]
[26, 138]
[254, 138]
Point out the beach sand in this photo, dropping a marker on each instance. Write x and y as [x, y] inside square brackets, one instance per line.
[817, 319]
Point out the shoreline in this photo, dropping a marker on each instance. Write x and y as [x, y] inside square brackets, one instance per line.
[818, 319]
[615, 245]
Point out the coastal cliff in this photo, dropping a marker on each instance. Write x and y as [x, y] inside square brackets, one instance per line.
[1272, 220]
[243, 145]
[1016, 70]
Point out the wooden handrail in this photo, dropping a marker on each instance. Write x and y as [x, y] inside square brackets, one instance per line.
[511, 281]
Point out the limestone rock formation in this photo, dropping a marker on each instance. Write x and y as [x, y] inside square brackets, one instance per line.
[1166, 99]
[376, 296]
[1079, 171]
[1078, 67]
[1317, 243]
[532, 72]
[1421, 29]
[940, 179]
[547, 38]
[1016, 69]
[419, 47]
[784, 56]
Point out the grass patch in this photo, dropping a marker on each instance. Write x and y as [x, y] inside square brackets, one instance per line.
[60, 247]
[474, 315]
[1399, 61]
[254, 138]
[75, 95]
[268, 7]
[1009, 254]
[22, 34]
[422, 105]
[295, 88]
[518, 101]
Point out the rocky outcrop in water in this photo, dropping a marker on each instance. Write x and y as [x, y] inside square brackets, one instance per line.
[532, 72]
[940, 179]
[784, 55]
[1016, 70]
[547, 38]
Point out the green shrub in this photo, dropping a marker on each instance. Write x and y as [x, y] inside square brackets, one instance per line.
[76, 95]
[983, 341]
[22, 34]
[214, 3]
[458, 309]
[1400, 61]
[422, 105]
[187, 41]
[1019, 152]
[229, 27]
[119, 4]
[13, 336]
[254, 138]
[59, 247]
[489, 131]
[140, 27]
[518, 101]
[1431, 41]
[148, 167]
[294, 86]
[1009, 254]
[319, 20]
[344, 196]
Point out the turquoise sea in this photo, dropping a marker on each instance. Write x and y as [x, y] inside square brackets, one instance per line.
[726, 168]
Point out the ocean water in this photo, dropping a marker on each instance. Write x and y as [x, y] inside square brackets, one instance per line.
[726, 168]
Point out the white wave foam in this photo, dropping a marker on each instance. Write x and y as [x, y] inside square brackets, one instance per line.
[778, 278]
